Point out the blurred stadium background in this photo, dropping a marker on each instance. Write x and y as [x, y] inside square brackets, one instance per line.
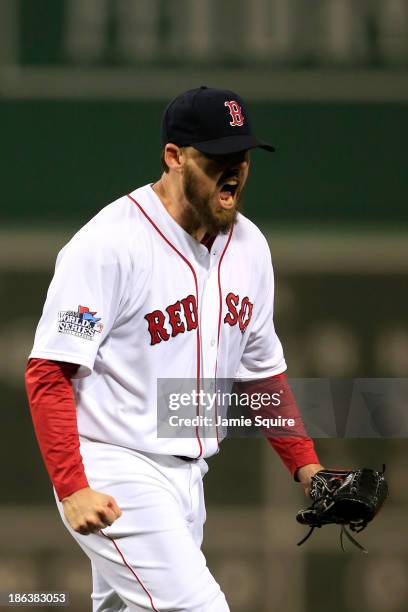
[82, 87]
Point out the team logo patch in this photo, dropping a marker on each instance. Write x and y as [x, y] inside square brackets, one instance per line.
[235, 112]
[81, 323]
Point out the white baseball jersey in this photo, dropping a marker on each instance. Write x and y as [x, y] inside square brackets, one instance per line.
[135, 299]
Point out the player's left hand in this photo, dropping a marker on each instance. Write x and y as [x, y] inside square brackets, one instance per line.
[305, 473]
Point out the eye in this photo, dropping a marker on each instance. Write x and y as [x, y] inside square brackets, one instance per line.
[213, 157]
[216, 160]
[213, 166]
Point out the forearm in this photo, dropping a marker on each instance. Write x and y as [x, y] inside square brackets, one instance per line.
[295, 452]
[294, 447]
[53, 411]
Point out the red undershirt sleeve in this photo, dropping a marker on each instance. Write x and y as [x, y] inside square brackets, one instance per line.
[294, 450]
[53, 411]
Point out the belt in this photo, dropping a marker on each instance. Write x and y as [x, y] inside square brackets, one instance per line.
[185, 458]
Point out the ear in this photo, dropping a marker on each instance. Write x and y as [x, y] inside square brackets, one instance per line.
[173, 156]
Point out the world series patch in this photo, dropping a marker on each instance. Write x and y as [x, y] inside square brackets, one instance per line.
[81, 323]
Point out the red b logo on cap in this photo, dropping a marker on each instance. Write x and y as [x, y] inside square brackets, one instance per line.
[236, 113]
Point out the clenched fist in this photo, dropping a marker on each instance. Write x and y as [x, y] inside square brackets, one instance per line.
[88, 511]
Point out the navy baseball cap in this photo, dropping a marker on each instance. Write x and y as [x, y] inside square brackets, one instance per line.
[213, 121]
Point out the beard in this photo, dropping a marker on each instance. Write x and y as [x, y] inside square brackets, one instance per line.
[215, 219]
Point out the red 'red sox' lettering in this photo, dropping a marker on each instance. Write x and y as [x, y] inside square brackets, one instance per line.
[232, 315]
[157, 330]
[162, 327]
[242, 316]
[177, 326]
[190, 312]
[245, 313]
[182, 316]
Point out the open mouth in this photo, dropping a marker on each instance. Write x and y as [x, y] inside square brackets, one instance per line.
[227, 193]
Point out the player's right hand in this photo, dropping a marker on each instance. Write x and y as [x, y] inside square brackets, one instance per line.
[88, 511]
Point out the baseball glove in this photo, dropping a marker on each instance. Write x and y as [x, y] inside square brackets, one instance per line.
[350, 498]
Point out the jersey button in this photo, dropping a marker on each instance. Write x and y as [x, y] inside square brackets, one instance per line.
[212, 342]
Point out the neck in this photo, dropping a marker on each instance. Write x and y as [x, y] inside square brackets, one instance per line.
[173, 200]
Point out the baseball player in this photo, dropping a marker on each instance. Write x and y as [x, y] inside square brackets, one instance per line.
[168, 282]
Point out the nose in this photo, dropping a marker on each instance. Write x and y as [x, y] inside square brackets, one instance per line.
[242, 159]
[234, 163]
[241, 165]
[240, 162]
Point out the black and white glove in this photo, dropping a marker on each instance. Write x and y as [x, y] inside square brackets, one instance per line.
[350, 498]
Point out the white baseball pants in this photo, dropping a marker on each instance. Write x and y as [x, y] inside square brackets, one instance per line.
[150, 558]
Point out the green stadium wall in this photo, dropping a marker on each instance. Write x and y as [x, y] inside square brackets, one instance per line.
[335, 164]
